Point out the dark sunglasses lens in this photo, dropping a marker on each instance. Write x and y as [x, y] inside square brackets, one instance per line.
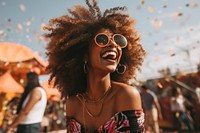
[120, 40]
[102, 39]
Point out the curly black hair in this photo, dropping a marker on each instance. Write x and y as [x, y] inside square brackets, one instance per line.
[70, 36]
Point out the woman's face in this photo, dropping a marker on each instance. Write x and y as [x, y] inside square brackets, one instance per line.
[104, 59]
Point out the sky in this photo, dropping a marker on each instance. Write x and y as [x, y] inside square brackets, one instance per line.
[169, 29]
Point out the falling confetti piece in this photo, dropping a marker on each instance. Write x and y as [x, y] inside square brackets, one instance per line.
[138, 7]
[28, 23]
[191, 29]
[176, 15]
[2, 25]
[187, 5]
[9, 20]
[22, 7]
[142, 2]
[173, 54]
[180, 14]
[194, 47]
[156, 23]
[193, 4]
[1, 32]
[150, 9]
[35, 31]
[165, 6]
[19, 26]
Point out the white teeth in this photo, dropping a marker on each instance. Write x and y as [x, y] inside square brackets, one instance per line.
[110, 53]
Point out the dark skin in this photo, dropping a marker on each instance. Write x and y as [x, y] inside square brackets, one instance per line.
[122, 97]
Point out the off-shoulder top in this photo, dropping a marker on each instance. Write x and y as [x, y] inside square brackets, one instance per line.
[130, 121]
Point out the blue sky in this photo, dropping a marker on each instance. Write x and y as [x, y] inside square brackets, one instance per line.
[170, 29]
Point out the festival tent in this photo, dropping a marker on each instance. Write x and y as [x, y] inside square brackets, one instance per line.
[20, 59]
[9, 85]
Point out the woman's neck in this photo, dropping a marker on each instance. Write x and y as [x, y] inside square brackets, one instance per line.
[97, 85]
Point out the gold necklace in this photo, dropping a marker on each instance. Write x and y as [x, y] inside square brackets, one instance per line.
[94, 115]
[103, 99]
[83, 101]
[81, 97]
[99, 99]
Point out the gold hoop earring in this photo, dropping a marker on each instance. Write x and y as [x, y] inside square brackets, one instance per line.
[85, 66]
[121, 68]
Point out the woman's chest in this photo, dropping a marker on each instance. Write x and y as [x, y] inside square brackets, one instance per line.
[93, 115]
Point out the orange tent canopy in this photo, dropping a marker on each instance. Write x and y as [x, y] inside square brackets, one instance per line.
[20, 58]
[9, 85]
[13, 52]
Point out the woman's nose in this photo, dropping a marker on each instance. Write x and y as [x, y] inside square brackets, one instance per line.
[113, 43]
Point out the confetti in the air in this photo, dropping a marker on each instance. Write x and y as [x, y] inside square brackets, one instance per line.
[157, 23]
[28, 23]
[19, 26]
[142, 2]
[1, 32]
[22, 7]
[150, 9]
[193, 4]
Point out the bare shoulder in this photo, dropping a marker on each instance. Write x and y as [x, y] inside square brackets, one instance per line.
[36, 94]
[72, 106]
[127, 97]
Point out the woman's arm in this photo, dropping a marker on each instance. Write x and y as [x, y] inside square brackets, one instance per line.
[156, 103]
[34, 98]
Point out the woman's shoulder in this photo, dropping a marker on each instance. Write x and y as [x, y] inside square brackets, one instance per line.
[36, 91]
[127, 97]
[126, 91]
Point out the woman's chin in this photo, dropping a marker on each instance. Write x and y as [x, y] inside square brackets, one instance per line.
[111, 69]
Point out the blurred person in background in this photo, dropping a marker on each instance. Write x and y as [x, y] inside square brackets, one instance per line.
[181, 117]
[197, 108]
[197, 91]
[151, 108]
[31, 107]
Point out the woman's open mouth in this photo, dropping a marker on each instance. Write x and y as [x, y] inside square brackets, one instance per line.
[109, 55]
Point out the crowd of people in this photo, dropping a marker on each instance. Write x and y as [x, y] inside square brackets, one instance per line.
[177, 109]
[180, 111]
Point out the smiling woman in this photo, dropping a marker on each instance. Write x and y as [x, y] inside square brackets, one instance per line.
[91, 58]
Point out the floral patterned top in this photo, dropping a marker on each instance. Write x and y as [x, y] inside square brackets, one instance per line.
[130, 121]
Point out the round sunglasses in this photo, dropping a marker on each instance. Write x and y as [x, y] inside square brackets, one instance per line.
[103, 40]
